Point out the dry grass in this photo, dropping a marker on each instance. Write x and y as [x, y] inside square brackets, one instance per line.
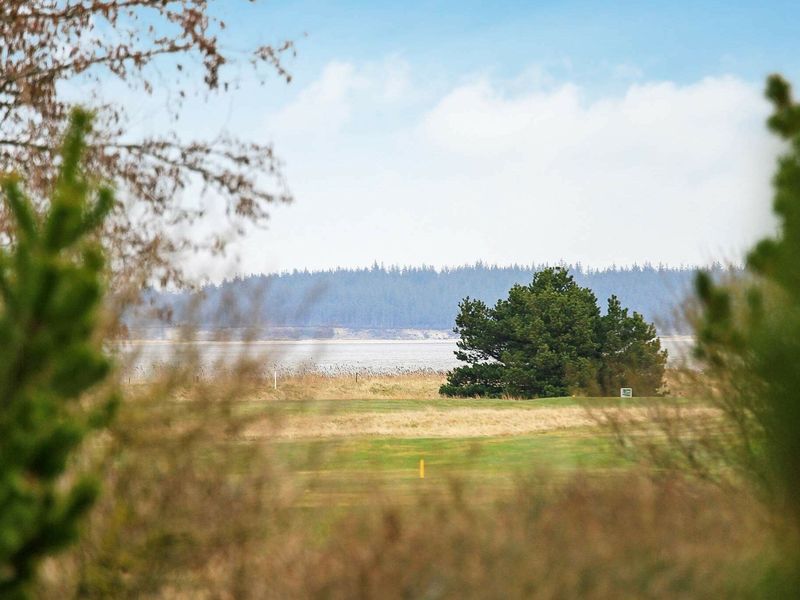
[685, 383]
[682, 383]
[451, 423]
[315, 386]
[622, 538]
[188, 512]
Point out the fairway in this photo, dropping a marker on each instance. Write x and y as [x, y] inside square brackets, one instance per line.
[343, 448]
[347, 468]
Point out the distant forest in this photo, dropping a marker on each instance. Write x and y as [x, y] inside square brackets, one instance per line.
[409, 297]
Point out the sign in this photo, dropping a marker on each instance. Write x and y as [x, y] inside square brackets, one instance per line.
[626, 392]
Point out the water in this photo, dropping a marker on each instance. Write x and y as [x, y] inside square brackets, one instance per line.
[147, 357]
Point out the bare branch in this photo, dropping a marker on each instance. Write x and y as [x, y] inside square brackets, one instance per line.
[45, 42]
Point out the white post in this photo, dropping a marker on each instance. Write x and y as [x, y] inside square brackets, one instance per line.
[275, 380]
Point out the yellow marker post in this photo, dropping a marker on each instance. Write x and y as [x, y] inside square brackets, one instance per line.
[422, 468]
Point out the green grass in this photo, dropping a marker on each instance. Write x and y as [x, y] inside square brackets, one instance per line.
[576, 448]
[340, 470]
[394, 405]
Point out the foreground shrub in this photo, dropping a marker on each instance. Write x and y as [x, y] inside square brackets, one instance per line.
[195, 517]
[51, 285]
[748, 344]
[196, 508]
[185, 500]
[749, 337]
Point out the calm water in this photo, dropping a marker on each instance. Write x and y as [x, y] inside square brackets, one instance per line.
[328, 356]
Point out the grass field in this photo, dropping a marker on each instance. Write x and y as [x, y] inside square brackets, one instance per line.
[342, 470]
[344, 437]
[233, 489]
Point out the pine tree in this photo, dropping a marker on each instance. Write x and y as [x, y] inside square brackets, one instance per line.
[749, 334]
[51, 286]
[548, 339]
[630, 352]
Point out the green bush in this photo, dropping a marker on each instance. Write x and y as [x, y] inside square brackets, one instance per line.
[51, 286]
[749, 334]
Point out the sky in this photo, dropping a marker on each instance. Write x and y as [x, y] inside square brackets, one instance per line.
[444, 133]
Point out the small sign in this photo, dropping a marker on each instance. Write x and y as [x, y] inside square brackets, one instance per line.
[626, 392]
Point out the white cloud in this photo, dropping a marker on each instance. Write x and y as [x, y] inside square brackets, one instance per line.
[327, 105]
[649, 122]
[384, 170]
[683, 171]
[322, 107]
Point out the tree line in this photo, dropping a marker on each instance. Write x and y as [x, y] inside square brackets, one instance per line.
[408, 297]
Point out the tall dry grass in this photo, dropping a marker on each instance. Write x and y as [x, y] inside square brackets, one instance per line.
[679, 382]
[320, 386]
[627, 538]
[191, 511]
[459, 422]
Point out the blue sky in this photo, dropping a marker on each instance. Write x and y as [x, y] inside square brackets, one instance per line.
[451, 132]
[677, 40]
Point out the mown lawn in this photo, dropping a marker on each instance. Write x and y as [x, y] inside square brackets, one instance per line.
[555, 450]
[341, 470]
[401, 404]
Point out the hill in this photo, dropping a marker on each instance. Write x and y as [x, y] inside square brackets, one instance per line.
[394, 298]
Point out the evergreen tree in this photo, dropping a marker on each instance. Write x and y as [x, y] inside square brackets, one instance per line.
[481, 346]
[51, 285]
[630, 354]
[549, 333]
[548, 339]
[749, 335]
